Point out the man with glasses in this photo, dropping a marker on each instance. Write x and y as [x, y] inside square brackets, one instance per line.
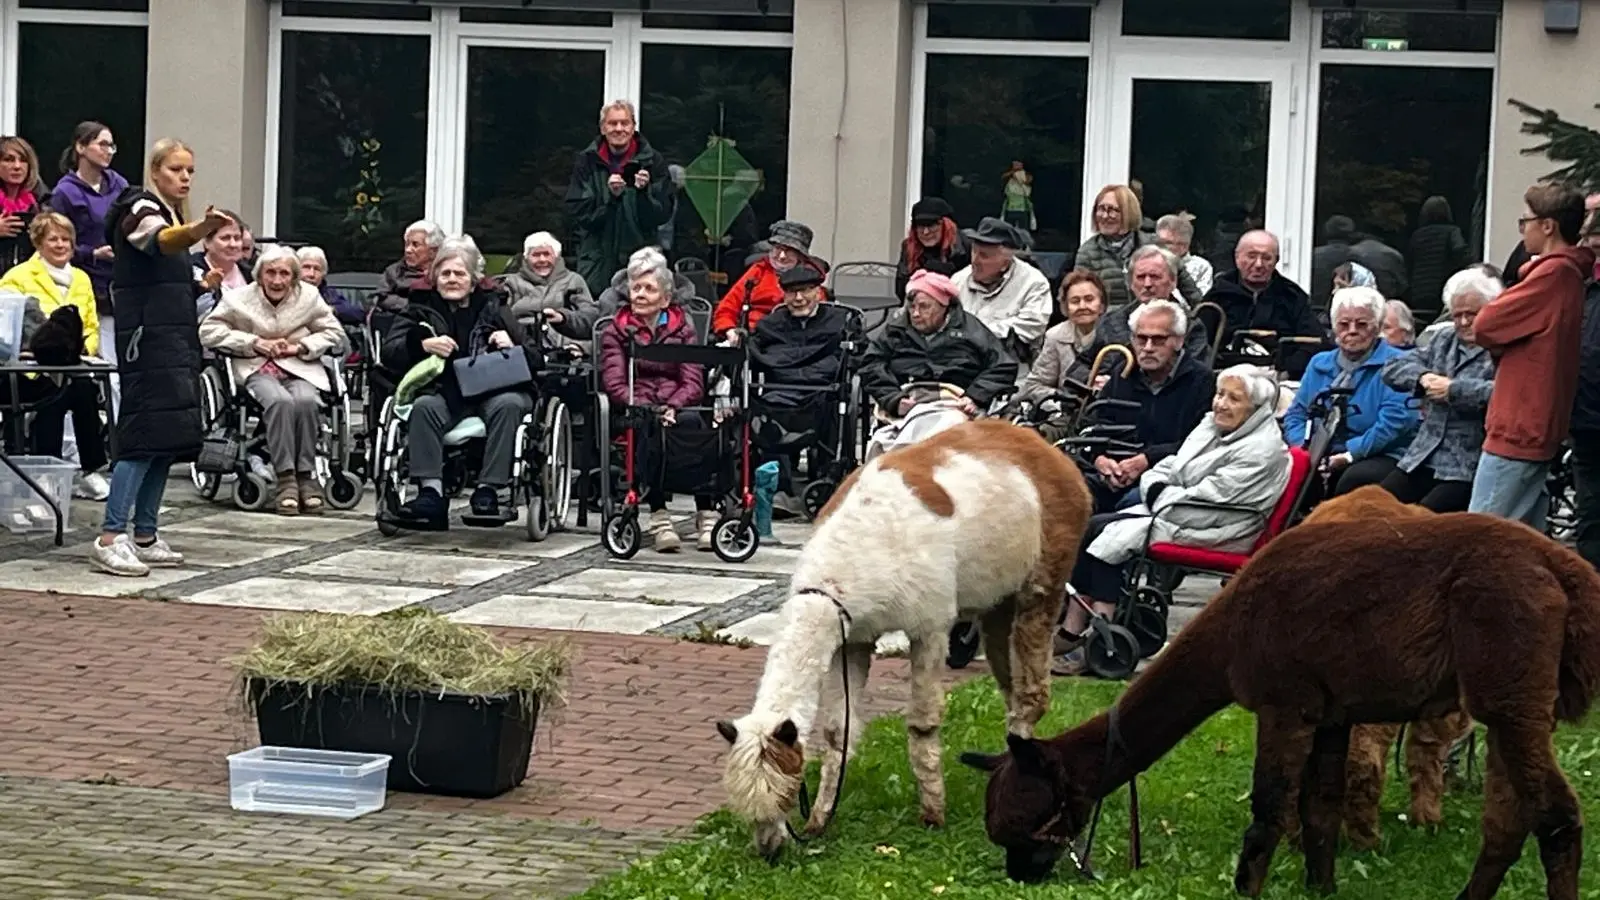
[1254, 296]
[1534, 332]
[1173, 391]
[1153, 275]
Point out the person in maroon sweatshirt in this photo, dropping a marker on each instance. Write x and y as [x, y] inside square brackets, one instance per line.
[1534, 331]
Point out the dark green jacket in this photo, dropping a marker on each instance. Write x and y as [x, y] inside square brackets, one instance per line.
[610, 228]
[963, 353]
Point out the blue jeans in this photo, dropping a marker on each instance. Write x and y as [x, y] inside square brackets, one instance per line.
[137, 484]
[1511, 489]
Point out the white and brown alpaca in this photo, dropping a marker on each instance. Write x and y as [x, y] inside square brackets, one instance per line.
[982, 520]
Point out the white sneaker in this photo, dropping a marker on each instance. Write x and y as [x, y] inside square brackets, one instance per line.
[664, 537]
[705, 523]
[91, 486]
[157, 555]
[117, 558]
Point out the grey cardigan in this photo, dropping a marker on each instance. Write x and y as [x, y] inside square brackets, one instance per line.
[1450, 438]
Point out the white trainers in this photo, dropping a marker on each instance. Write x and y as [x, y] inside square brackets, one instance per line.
[664, 538]
[117, 558]
[157, 555]
[91, 486]
[705, 523]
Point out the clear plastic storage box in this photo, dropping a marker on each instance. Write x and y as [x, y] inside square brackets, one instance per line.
[307, 782]
[23, 510]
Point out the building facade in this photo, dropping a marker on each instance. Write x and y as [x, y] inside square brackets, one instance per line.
[339, 122]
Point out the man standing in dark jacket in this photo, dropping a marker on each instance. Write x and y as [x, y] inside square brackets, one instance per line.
[1173, 391]
[934, 339]
[620, 194]
[1586, 432]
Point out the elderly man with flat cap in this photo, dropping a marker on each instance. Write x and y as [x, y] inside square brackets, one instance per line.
[1011, 298]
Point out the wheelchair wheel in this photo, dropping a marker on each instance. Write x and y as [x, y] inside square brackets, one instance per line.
[344, 490]
[250, 492]
[816, 496]
[734, 540]
[557, 474]
[1112, 651]
[537, 514]
[621, 535]
[208, 483]
[1149, 627]
[965, 640]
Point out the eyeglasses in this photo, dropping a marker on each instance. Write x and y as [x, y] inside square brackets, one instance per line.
[1109, 210]
[106, 146]
[1150, 340]
[1359, 325]
[1524, 221]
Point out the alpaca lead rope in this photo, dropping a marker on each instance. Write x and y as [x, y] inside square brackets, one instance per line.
[1080, 859]
[844, 753]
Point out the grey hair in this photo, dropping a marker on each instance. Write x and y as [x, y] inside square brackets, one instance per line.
[1356, 298]
[1471, 280]
[1149, 250]
[1402, 314]
[1180, 226]
[1259, 385]
[462, 248]
[305, 253]
[648, 262]
[433, 234]
[540, 239]
[621, 103]
[273, 253]
[1180, 319]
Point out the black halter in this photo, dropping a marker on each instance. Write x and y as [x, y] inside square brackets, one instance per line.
[844, 751]
[1114, 745]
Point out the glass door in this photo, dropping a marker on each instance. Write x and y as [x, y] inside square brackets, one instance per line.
[1209, 137]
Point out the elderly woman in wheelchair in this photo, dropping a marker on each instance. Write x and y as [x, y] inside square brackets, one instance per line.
[469, 368]
[275, 333]
[933, 353]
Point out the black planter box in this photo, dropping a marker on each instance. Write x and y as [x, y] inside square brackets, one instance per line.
[441, 744]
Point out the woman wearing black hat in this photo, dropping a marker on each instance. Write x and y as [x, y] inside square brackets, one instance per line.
[934, 243]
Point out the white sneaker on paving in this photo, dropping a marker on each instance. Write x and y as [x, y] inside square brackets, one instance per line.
[157, 555]
[91, 486]
[664, 537]
[116, 558]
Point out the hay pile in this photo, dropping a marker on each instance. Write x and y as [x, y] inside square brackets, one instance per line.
[408, 649]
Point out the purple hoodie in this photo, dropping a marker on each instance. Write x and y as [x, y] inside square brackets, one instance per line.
[87, 210]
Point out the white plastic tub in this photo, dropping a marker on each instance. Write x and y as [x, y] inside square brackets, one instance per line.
[22, 510]
[306, 782]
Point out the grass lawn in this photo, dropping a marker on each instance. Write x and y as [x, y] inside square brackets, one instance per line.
[1195, 810]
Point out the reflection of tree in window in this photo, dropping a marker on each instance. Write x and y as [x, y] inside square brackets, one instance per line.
[105, 82]
[692, 94]
[983, 113]
[353, 142]
[529, 113]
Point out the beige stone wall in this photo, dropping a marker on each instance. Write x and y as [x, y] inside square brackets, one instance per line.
[855, 201]
[1556, 71]
[208, 87]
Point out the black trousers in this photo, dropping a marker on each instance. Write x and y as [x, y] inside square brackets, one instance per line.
[52, 403]
[1586, 484]
[1096, 579]
[1421, 486]
[1372, 470]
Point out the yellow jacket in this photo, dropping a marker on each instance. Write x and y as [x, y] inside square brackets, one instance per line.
[33, 279]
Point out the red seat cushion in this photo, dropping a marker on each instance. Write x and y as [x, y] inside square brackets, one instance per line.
[1197, 558]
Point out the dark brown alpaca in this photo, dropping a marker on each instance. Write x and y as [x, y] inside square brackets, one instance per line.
[1333, 625]
[1428, 741]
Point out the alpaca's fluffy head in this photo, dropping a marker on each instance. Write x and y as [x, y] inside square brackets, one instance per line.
[762, 778]
[1369, 502]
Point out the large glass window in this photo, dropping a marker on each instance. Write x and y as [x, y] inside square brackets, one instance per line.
[985, 113]
[104, 81]
[529, 112]
[1021, 22]
[722, 113]
[1390, 31]
[1261, 20]
[1400, 148]
[352, 143]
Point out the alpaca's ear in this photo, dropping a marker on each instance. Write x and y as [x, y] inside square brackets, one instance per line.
[726, 729]
[786, 733]
[983, 762]
[1028, 753]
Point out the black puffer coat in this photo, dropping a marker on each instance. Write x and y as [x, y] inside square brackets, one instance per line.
[800, 351]
[963, 353]
[158, 344]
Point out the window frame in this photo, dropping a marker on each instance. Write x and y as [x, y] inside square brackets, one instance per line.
[13, 15]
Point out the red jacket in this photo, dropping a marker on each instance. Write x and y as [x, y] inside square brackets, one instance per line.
[1534, 331]
[654, 383]
[764, 298]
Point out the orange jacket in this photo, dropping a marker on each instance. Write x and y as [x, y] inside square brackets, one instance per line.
[1534, 331]
[764, 298]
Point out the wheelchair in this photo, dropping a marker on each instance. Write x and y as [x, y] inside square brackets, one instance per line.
[1561, 519]
[229, 411]
[734, 538]
[541, 469]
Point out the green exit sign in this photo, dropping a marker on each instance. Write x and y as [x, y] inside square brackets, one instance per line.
[1387, 44]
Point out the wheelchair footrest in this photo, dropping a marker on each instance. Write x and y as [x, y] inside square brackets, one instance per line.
[405, 524]
[505, 518]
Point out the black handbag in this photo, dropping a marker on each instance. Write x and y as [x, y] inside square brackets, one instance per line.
[219, 452]
[492, 372]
